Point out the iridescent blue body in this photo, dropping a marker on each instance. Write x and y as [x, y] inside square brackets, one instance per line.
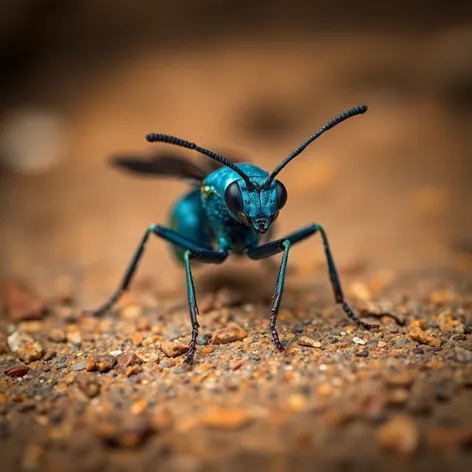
[231, 210]
[203, 215]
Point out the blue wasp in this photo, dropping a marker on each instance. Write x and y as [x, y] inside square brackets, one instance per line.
[229, 212]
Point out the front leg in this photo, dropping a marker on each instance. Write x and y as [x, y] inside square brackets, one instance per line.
[193, 251]
[275, 247]
[202, 255]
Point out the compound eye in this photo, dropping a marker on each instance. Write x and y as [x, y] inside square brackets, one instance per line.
[281, 194]
[234, 198]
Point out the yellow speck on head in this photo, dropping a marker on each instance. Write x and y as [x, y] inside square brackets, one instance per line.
[206, 191]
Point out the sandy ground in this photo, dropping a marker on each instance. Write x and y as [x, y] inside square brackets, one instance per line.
[390, 187]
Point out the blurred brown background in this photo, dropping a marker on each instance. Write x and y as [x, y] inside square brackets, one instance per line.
[84, 80]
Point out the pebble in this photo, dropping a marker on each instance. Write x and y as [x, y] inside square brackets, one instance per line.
[74, 337]
[30, 352]
[100, 363]
[309, 342]
[357, 340]
[79, 365]
[424, 338]
[463, 355]
[17, 339]
[88, 384]
[21, 303]
[362, 353]
[227, 418]
[57, 335]
[173, 348]
[381, 344]
[207, 350]
[129, 359]
[203, 339]
[18, 370]
[400, 434]
[228, 334]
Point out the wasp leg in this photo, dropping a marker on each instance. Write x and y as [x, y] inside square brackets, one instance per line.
[202, 255]
[275, 247]
[193, 251]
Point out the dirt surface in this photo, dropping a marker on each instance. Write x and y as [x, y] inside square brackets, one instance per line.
[113, 394]
[391, 188]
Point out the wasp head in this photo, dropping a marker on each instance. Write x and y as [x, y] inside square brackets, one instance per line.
[256, 206]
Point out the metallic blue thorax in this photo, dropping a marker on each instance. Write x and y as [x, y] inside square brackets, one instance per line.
[203, 215]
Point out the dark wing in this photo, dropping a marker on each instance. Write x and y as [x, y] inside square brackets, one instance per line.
[168, 165]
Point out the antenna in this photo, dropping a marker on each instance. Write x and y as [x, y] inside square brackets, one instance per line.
[330, 124]
[164, 138]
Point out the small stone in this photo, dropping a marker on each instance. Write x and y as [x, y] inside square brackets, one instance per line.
[18, 370]
[297, 328]
[100, 363]
[21, 303]
[357, 340]
[79, 365]
[17, 339]
[401, 341]
[381, 344]
[88, 384]
[227, 418]
[116, 352]
[228, 334]
[57, 335]
[49, 354]
[30, 352]
[418, 351]
[173, 348]
[207, 350]
[463, 355]
[424, 338]
[203, 339]
[137, 338]
[400, 435]
[74, 337]
[150, 340]
[309, 342]
[416, 324]
[128, 360]
[362, 353]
